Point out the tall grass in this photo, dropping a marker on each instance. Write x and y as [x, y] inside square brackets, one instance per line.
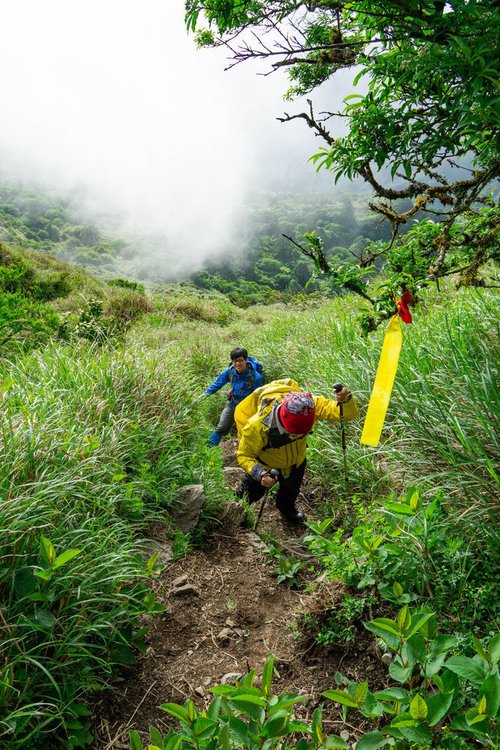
[442, 426]
[93, 445]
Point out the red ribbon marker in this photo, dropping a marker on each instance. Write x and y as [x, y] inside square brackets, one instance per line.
[403, 309]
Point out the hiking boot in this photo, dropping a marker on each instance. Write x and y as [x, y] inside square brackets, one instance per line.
[240, 490]
[292, 515]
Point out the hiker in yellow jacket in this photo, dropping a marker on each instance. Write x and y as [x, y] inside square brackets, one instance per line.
[273, 424]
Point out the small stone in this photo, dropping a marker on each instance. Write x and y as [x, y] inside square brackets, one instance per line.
[386, 658]
[180, 581]
[207, 681]
[345, 735]
[224, 635]
[231, 678]
[199, 691]
[229, 623]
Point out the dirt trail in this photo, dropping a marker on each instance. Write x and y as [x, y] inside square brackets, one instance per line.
[225, 614]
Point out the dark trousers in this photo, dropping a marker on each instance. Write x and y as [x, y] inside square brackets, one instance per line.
[288, 489]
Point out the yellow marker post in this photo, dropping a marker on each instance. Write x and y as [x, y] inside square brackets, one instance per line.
[384, 381]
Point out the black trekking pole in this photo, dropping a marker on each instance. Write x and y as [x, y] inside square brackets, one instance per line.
[337, 388]
[275, 474]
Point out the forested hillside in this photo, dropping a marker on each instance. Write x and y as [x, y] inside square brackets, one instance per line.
[260, 265]
[102, 424]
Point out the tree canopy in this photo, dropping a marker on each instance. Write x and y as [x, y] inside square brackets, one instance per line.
[424, 134]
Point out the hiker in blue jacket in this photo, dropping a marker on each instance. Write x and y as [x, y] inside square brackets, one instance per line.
[245, 375]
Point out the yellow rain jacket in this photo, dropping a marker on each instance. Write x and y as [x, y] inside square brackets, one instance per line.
[254, 444]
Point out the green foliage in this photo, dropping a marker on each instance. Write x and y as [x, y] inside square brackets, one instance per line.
[338, 624]
[446, 700]
[93, 326]
[126, 284]
[289, 567]
[412, 552]
[244, 716]
[24, 323]
[429, 110]
[48, 222]
[94, 445]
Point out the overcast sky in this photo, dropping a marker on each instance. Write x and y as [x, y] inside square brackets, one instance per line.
[115, 95]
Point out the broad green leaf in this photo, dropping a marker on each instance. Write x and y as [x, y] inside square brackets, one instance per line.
[443, 643]
[275, 727]
[45, 575]
[404, 619]
[65, 557]
[429, 628]
[192, 710]
[494, 649]
[155, 736]
[214, 708]
[43, 618]
[491, 692]
[460, 723]
[399, 672]
[372, 741]
[479, 648]
[135, 740]
[203, 728]
[361, 692]
[238, 730]
[317, 725]
[437, 707]
[333, 742]
[397, 590]
[417, 623]
[267, 676]
[298, 726]
[392, 694]
[401, 509]
[403, 720]
[418, 735]
[341, 696]
[474, 716]
[24, 582]
[463, 666]
[174, 709]
[225, 738]
[389, 634]
[434, 664]
[285, 701]
[249, 705]
[47, 550]
[414, 500]
[418, 707]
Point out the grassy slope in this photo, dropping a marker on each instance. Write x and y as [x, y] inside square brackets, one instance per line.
[96, 440]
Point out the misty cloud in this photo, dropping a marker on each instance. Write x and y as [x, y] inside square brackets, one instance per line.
[115, 96]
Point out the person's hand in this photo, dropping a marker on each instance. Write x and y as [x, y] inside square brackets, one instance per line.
[267, 480]
[343, 396]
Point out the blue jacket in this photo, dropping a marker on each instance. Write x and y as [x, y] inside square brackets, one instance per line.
[241, 385]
